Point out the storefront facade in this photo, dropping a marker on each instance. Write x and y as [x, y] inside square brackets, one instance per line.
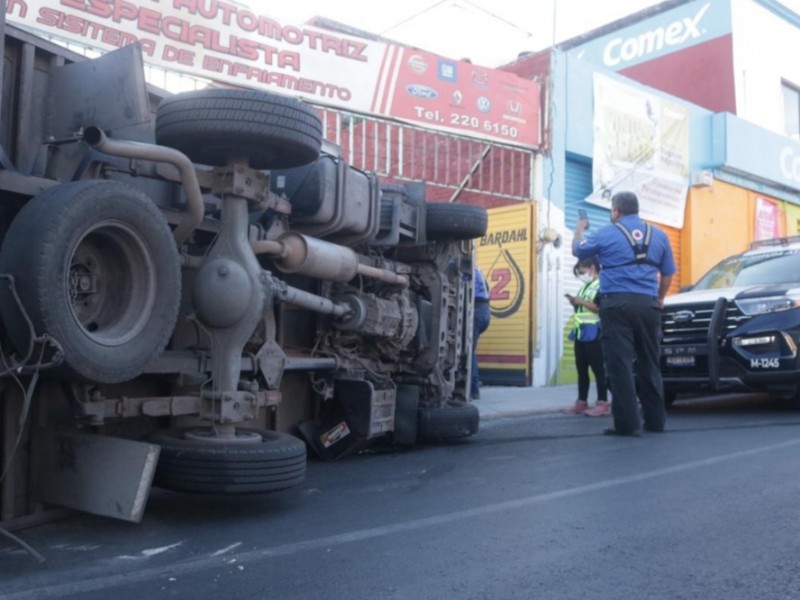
[713, 181]
[668, 102]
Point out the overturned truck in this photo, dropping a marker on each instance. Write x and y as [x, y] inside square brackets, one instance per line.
[197, 289]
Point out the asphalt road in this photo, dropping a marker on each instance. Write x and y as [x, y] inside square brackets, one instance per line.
[534, 507]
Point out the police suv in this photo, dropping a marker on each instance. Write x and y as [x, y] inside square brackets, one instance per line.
[737, 329]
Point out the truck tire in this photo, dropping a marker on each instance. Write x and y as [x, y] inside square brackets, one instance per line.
[449, 422]
[214, 127]
[96, 268]
[208, 467]
[447, 221]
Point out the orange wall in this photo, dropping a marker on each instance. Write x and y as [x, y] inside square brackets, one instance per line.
[675, 236]
[720, 221]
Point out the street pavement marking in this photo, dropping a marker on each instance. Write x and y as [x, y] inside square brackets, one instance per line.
[254, 556]
[227, 549]
[152, 552]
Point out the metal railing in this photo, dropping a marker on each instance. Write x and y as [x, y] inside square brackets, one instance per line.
[407, 152]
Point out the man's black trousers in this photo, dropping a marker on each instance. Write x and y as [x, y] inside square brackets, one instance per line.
[631, 333]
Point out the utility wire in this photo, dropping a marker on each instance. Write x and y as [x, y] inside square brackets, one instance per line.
[477, 7]
[498, 17]
[414, 16]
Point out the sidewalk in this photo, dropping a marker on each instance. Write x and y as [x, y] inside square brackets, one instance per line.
[500, 402]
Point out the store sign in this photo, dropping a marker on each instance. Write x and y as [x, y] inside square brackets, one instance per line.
[228, 43]
[743, 147]
[505, 255]
[790, 164]
[641, 145]
[460, 97]
[664, 33]
[654, 40]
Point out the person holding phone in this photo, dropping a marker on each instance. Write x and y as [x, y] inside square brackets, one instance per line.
[637, 265]
[586, 336]
[583, 216]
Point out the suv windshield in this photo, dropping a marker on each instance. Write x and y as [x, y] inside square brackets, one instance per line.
[755, 269]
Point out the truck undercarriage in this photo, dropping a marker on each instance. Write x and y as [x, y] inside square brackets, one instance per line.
[193, 300]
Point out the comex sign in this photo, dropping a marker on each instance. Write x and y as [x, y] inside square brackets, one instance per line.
[622, 50]
[790, 164]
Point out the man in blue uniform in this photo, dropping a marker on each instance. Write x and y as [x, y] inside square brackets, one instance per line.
[636, 269]
[480, 323]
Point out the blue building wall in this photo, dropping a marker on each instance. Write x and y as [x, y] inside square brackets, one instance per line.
[732, 149]
[571, 118]
[735, 150]
[752, 157]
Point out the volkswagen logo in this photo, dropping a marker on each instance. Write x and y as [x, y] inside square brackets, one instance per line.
[683, 316]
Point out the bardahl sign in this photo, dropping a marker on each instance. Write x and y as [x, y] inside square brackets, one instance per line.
[232, 44]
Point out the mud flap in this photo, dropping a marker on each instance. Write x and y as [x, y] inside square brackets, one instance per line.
[362, 412]
[368, 410]
[96, 474]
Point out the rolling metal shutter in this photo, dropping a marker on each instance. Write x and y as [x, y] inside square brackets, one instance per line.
[578, 185]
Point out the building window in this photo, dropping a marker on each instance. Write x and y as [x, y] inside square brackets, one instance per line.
[791, 110]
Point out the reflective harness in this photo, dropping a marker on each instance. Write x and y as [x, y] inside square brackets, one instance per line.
[639, 248]
[583, 316]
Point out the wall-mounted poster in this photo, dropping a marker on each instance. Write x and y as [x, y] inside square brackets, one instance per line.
[641, 144]
[767, 221]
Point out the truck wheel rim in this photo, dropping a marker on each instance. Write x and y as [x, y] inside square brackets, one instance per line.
[111, 283]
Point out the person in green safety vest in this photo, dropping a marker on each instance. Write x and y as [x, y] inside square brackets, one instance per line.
[586, 335]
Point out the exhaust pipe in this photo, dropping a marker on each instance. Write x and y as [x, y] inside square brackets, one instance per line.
[96, 138]
[297, 253]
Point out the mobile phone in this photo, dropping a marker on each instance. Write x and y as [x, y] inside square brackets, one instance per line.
[568, 296]
[583, 216]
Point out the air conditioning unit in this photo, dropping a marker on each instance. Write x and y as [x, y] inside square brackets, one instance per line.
[702, 179]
